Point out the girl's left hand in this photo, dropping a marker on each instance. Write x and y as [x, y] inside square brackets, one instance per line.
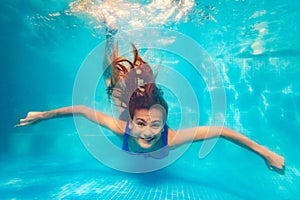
[275, 162]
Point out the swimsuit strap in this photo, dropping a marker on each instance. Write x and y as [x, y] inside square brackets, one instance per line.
[164, 152]
[126, 136]
[165, 136]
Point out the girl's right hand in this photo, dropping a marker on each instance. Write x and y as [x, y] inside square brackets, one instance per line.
[32, 117]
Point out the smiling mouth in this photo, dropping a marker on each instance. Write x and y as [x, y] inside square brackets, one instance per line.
[148, 139]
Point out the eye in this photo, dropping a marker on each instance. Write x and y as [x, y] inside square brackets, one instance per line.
[140, 123]
[156, 125]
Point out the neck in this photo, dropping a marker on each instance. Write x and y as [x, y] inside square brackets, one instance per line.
[136, 148]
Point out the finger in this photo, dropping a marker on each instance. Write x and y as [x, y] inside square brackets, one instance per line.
[21, 124]
[23, 120]
[29, 120]
[17, 125]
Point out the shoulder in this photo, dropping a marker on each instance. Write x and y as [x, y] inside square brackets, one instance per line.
[171, 137]
[178, 137]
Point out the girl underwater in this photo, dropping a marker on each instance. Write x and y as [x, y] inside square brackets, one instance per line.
[144, 112]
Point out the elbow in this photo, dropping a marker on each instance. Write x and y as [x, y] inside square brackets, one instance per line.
[80, 110]
[224, 132]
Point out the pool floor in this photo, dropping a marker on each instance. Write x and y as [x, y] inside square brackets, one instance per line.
[28, 179]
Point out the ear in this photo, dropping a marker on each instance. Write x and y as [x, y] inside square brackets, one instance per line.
[130, 124]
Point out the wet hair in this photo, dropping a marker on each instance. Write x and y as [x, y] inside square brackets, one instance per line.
[132, 84]
[151, 97]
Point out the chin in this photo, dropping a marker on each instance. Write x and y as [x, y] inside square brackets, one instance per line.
[145, 145]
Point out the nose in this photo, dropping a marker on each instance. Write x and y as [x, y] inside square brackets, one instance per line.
[147, 133]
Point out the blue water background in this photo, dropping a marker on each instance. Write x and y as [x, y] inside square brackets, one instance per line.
[40, 58]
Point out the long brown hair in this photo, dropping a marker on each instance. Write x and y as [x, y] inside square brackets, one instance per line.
[132, 83]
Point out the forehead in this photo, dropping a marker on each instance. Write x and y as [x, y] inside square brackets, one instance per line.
[149, 115]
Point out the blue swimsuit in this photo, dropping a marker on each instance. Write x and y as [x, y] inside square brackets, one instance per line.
[164, 137]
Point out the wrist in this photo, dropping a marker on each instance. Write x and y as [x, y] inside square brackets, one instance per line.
[263, 151]
[48, 114]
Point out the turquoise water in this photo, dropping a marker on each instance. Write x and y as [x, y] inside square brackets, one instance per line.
[254, 46]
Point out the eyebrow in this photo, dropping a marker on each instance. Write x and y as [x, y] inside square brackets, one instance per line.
[156, 121]
[140, 119]
[150, 122]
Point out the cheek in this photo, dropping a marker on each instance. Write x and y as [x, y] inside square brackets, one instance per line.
[157, 131]
[135, 131]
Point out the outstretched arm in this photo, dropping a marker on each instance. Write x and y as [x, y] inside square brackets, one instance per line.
[115, 125]
[274, 161]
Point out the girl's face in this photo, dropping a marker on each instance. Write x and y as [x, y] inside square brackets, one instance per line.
[146, 127]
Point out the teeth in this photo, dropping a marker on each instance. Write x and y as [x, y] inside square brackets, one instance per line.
[148, 139]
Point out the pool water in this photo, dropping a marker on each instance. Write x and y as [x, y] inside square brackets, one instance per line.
[252, 44]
